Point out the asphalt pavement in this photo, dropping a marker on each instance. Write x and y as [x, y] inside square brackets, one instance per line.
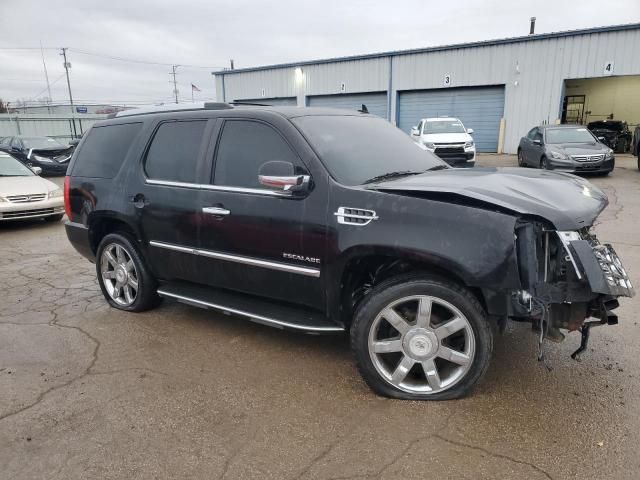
[88, 392]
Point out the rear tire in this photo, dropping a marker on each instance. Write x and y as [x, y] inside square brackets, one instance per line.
[125, 280]
[521, 162]
[421, 338]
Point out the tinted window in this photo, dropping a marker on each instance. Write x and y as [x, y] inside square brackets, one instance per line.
[356, 149]
[244, 146]
[532, 133]
[174, 151]
[104, 150]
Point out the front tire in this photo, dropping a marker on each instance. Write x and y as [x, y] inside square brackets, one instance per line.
[125, 281]
[421, 338]
[521, 162]
[544, 164]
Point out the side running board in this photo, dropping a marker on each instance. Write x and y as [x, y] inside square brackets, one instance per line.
[255, 309]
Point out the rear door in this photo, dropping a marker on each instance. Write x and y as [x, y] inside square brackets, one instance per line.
[166, 196]
[262, 241]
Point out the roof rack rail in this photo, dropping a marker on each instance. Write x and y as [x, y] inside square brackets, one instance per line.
[180, 107]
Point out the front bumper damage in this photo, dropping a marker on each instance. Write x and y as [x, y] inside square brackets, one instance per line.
[571, 280]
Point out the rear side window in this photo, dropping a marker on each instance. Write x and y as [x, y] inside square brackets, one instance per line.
[104, 150]
[173, 154]
[244, 146]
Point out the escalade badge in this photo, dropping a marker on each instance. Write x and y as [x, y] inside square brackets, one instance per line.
[301, 258]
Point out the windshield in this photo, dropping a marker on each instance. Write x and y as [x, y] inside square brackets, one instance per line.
[569, 135]
[10, 167]
[443, 126]
[41, 142]
[358, 148]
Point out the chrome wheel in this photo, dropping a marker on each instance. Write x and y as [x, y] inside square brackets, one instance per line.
[119, 274]
[421, 344]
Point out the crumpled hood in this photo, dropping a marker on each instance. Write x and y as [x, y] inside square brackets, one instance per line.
[567, 201]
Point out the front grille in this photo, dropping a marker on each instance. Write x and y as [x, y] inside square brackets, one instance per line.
[449, 150]
[27, 213]
[587, 158]
[36, 197]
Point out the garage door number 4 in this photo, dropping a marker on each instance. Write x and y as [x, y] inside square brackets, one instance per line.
[608, 68]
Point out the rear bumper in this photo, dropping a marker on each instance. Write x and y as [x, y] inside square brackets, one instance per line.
[79, 238]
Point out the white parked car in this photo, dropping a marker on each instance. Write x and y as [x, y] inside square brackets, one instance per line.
[448, 139]
[23, 194]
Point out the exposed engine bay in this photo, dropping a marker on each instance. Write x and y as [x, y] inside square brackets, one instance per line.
[570, 281]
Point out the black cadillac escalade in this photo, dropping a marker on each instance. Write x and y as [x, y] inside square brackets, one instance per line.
[327, 221]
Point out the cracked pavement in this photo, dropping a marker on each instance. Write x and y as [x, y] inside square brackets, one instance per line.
[90, 392]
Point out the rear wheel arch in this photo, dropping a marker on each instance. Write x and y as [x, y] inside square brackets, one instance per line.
[102, 225]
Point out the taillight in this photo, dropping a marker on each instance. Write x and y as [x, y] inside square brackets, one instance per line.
[67, 202]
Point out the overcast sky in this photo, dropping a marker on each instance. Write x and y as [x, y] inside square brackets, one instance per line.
[208, 33]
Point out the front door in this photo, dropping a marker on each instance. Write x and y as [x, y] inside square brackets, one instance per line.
[166, 196]
[257, 239]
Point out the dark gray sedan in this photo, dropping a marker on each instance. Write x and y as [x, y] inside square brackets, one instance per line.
[568, 148]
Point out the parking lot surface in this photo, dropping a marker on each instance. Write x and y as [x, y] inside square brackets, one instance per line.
[91, 392]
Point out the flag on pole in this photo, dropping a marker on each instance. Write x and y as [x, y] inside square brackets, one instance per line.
[194, 88]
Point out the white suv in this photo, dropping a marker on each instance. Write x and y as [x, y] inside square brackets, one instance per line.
[448, 139]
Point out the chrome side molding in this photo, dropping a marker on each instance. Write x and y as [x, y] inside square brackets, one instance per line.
[255, 262]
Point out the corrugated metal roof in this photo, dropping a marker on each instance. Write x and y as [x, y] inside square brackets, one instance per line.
[482, 43]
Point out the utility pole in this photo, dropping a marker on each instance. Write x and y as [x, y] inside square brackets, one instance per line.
[46, 74]
[175, 84]
[67, 66]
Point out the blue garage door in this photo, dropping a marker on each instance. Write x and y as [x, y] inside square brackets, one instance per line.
[276, 102]
[376, 102]
[480, 108]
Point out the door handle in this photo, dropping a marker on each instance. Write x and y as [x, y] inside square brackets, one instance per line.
[215, 211]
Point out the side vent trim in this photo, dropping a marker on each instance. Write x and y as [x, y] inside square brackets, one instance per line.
[355, 216]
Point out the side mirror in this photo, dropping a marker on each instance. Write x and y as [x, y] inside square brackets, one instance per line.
[36, 170]
[414, 131]
[469, 131]
[74, 142]
[537, 141]
[601, 139]
[280, 175]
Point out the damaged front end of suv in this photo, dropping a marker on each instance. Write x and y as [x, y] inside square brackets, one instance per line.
[569, 281]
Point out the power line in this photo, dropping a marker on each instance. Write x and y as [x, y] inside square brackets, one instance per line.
[131, 60]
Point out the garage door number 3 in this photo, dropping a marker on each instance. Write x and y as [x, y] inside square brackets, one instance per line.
[447, 80]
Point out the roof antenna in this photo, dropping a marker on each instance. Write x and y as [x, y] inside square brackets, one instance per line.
[364, 109]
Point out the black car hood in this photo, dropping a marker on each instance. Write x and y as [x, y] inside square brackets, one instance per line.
[567, 201]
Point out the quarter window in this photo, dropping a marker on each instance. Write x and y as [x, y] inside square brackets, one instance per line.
[105, 149]
[174, 151]
[532, 133]
[243, 148]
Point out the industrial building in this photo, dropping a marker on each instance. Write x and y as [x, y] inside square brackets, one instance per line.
[499, 88]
